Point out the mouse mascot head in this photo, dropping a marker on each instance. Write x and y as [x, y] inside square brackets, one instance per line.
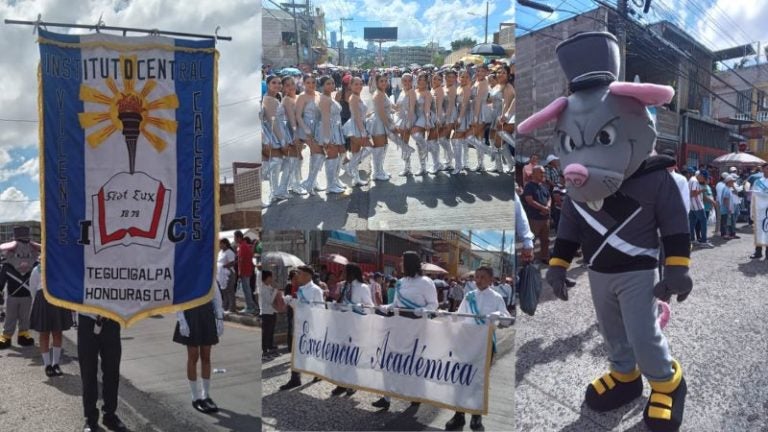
[19, 258]
[604, 131]
[619, 198]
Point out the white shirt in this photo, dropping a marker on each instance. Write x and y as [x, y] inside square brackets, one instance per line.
[419, 290]
[504, 290]
[488, 301]
[697, 202]
[266, 298]
[761, 185]
[682, 184]
[310, 293]
[222, 273]
[361, 294]
[469, 286]
[522, 227]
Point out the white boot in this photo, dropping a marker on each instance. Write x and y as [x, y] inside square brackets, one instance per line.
[508, 158]
[422, 147]
[458, 155]
[507, 138]
[482, 150]
[378, 164]
[294, 184]
[274, 177]
[434, 150]
[445, 143]
[407, 165]
[365, 152]
[353, 171]
[331, 174]
[336, 178]
[315, 165]
[465, 150]
[499, 162]
[265, 167]
[285, 176]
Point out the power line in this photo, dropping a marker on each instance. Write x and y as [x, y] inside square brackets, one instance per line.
[17, 120]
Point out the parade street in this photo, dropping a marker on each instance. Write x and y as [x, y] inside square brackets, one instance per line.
[311, 406]
[478, 200]
[154, 391]
[719, 335]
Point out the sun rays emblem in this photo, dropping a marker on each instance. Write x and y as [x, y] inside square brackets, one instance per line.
[129, 111]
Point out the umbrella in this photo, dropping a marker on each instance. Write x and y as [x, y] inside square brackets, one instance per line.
[738, 159]
[326, 66]
[335, 258]
[431, 268]
[429, 66]
[439, 283]
[488, 49]
[468, 274]
[476, 59]
[289, 71]
[283, 259]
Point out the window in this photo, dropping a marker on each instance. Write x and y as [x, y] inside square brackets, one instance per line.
[744, 101]
[289, 38]
[762, 102]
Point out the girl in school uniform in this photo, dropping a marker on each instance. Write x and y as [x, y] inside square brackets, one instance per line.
[50, 321]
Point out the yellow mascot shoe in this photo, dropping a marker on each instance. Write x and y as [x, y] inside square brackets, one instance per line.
[614, 390]
[664, 411]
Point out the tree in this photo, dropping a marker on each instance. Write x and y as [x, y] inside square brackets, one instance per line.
[466, 41]
[438, 59]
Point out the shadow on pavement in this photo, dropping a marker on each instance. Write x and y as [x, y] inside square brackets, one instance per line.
[754, 268]
[590, 420]
[532, 353]
[233, 421]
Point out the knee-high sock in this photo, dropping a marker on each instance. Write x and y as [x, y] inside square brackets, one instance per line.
[55, 355]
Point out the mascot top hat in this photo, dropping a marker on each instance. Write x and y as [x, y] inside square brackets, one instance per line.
[589, 59]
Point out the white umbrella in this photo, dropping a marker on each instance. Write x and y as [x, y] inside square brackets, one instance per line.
[431, 268]
[738, 159]
[336, 258]
[283, 259]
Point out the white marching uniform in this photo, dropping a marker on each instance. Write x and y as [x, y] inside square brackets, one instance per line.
[416, 293]
[307, 295]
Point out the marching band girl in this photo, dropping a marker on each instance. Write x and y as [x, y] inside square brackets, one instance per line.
[503, 122]
[271, 136]
[199, 329]
[307, 117]
[355, 129]
[450, 114]
[438, 114]
[286, 116]
[481, 116]
[405, 116]
[330, 135]
[424, 121]
[49, 321]
[463, 129]
[381, 123]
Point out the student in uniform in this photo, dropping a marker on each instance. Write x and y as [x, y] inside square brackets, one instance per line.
[482, 301]
[354, 292]
[199, 329]
[308, 295]
[48, 320]
[415, 292]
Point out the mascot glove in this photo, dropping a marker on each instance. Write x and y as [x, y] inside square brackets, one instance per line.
[419, 312]
[676, 281]
[184, 328]
[219, 327]
[556, 279]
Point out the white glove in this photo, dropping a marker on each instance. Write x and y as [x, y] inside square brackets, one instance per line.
[385, 308]
[183, 328]
[219, 326]
[419, 312]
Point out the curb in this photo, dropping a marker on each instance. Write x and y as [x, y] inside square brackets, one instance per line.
[249, 320]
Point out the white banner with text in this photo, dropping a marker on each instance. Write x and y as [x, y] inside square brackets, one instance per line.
[760, 216]
[438, 361]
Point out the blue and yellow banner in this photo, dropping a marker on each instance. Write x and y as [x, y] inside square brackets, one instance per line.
[129, 163]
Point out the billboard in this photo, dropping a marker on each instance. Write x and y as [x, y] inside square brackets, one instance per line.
[380, 33]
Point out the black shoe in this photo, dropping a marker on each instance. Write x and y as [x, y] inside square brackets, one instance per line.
[350, 391]
[92, 427]
[338, 390]
[756, 256]
[290, 384]
[49, 372]
[25, 341]
[316, 379]
[570, 283]
[57, 370]
[381, 403]
[113, 423]
[456, 422]
[210, 405]
[200, 406]
[415, 404]
[476, 423]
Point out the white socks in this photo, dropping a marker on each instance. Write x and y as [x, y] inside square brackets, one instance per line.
[55, 355]
[206, 388]
[46, 358]
[194, 389]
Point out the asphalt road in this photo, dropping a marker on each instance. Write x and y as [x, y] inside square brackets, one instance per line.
[311, 406]
[477, 200]
[154, 393]
[719, 335]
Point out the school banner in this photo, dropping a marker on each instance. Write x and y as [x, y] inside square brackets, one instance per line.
[441, 362]
[128, 159]
[760, 216]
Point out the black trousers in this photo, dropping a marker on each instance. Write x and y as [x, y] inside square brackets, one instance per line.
[289, 316]
[90, 347]
[268, 331]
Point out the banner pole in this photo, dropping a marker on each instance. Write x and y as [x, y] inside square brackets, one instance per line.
[100, 26]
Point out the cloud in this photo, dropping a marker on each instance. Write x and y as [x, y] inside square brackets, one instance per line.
[14, 205]
[238, 65]
[5, 157]
[29, 168]
[732, 22]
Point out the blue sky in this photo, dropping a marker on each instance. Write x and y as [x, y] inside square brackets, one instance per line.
[418, 22]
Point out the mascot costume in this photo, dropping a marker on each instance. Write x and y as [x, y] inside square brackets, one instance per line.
[619, 198]
[20, 256]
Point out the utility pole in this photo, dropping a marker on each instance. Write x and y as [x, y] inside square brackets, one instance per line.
[486, 21]
[294, 5]
[503, 252]
[621, 30]
[341, 39]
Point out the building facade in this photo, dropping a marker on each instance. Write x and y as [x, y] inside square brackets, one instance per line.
[6, 230]
[406, 55]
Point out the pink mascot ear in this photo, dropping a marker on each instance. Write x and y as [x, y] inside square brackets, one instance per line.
[551, 112]
[648, 94]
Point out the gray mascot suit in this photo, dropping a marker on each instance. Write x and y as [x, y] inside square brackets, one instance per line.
[19, 257]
